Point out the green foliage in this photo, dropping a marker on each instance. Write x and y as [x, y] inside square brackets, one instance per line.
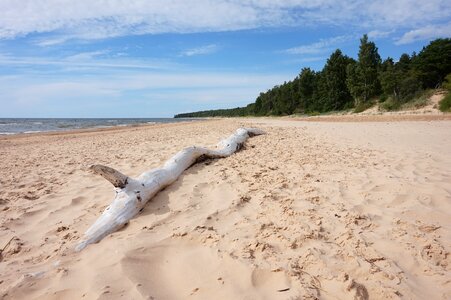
[409, 87]
[421, 99]
[404, 63]
[445, 104]
[363, 81]
[353, 81]
[389, 78]
[362, 106]
[344, 83]
[334, 90]
[399, 81]
[418, 100]
[447, 83]
[383, 98]
[391, 104]
[433, 63]
[306, 83]
[234, 112]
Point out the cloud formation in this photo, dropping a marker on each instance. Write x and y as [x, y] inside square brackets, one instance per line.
[428, 32]
[96, 60]
[203, 50]
[87, 19]
[376, 34]
[324, 45]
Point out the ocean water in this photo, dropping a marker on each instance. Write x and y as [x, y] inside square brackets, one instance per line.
[22, 125]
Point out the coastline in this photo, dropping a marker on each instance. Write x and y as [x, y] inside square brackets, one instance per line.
[89, 130]
[12, 126]
[311, 209]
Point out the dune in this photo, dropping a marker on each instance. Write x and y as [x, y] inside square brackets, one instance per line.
[310, 210]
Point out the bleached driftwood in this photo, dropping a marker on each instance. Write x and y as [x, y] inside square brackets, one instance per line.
[132, 194]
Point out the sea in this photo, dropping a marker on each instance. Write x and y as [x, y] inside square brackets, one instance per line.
[33, 125]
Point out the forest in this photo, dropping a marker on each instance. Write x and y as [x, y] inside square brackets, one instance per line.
[346, 83]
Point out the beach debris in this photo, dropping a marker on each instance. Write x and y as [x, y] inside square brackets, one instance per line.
[133, 193]
[4, 248]
[429, 228]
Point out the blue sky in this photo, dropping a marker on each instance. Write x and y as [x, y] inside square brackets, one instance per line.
[134, 58]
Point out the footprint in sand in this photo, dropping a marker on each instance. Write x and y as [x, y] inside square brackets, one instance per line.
[435, 254]
[77, 200]
[360, 291]
[270, 282]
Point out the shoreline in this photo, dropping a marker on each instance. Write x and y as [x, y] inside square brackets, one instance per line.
[15, 126]
[118, 128]
[355, 118]
[392, 117]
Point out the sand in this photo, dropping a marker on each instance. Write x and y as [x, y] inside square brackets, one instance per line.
[328, 210]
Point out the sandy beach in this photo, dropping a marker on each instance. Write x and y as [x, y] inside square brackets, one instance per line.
[310, 210]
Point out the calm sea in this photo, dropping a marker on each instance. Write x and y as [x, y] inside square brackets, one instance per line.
[15, 126]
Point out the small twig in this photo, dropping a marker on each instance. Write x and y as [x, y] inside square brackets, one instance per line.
[7, 244]
[4, 248]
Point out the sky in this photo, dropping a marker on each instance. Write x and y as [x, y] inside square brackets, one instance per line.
[137, 58]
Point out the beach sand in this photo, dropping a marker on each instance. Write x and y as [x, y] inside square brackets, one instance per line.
[328, 210]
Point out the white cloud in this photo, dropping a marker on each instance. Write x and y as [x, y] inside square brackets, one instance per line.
[324, 45]
[84, 56]
[87, 19]
[51, 41]
[427, 32]
[87, 60]
[408, 13]
[203, 50]
[313, 58]
[376, 34]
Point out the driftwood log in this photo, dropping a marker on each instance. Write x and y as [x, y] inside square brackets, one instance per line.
[133, 193]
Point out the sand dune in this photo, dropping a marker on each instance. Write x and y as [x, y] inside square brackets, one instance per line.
[309, 210]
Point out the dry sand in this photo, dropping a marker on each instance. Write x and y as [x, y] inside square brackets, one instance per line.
[309, 210]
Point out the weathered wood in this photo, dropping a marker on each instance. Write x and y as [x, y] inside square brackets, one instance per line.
[132, 194]
[116, 178]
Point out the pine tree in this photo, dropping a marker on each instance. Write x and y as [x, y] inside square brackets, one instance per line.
[398, 80]
[354, 81]
[363, 79]
[389, 78]
[433, 63]
[336, 94]
[307, 86]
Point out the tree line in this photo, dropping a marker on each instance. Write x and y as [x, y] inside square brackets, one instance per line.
[346, 83]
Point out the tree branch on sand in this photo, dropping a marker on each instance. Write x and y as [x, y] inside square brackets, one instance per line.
[132, 194]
